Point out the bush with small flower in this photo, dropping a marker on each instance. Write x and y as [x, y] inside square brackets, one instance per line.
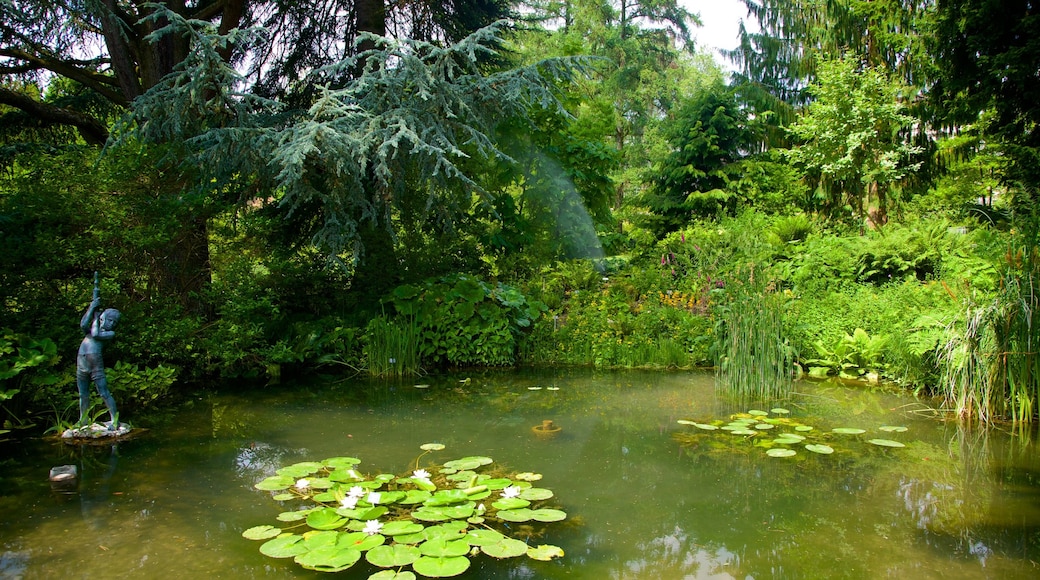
[431, 522]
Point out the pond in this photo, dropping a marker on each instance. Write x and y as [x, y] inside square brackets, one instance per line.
[645, 496]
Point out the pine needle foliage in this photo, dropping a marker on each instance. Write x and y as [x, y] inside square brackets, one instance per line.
[418, 122]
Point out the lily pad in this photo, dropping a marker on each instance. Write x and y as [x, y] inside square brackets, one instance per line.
[820, 448]
[685, 422]
[803, 428]
[886, 443]
[705, 426]
[507, 548]
[469, 462]
[400, 527]
[294, 516]
[784, 440]
[261, 533]
[414, 496]
[484, 537]
[548, 515]
[525, 476]
[743, 432]
[421, 386]
[287, 546]
[431, 446]
[510, 503]
[536, 494]
[545, 552]
[779, 452]
[764, 426]
[329, 559]
[392, 575]
[300, 469]
[517, 515]
[848, 430]
[441, 567]
[392, 556]
[275, 483]
[341, 462]
[757, 413]
[441, 548]
[779, 411]
[325, 519]
[893, 428]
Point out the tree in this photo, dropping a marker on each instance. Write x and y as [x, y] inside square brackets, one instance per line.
[709, 135]
[780, 62]
[120, 52]
[987, 55]
[853, 144]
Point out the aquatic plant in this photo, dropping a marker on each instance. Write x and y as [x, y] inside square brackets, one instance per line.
[755, 362]
[781, 435]
[433, 522]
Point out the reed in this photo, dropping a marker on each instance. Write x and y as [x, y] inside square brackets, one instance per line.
[754, 360]
[990, 368]
[392, 348]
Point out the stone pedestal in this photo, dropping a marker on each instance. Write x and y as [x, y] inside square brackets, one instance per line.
[95, 431]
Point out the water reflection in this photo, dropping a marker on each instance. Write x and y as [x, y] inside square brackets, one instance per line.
[955, 503]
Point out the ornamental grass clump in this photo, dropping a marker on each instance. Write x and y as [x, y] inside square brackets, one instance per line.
[433, 522]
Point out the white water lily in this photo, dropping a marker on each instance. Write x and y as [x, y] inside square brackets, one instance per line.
[373, 498]
[372, 527]
[511, 491]
[356, 491]
[303, 484]
[349, 502]
[421, 474]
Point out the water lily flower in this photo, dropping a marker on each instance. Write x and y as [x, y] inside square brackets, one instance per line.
[372, 527]
[373, 498]
[356, 491]
[481, 509]
[511, 491]
[303, 484]
[421, 474]
[349, 502]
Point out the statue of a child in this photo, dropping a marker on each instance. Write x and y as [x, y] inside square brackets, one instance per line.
[97, 330]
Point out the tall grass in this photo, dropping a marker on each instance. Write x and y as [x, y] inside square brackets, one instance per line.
[754, 360]
[392, 348]
[990, 367]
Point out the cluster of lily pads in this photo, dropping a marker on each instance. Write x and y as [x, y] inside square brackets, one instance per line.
[781, 435]
[432, 522]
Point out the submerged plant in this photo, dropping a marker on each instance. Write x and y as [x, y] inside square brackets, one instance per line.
[432, 521]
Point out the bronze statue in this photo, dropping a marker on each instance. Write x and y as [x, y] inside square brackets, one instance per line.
[89, 365]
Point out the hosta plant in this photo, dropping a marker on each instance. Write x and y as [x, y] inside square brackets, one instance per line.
[432, 522]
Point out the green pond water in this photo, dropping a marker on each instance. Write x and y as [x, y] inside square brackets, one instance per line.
[646, 497]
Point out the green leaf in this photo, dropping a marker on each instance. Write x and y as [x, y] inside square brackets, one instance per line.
[302, 469]
[548, 515]
[287, 546]
[400, 527]
[441, 548]
[779, 452]
[545, 552]
[536, 494]
[276, 483]
[325, 519]
[392, 575]
[329, 559]
[517, 515]
[510, 503]
[819, 448]
[848, 430]
[261, 533]
[507, 548]
[392, 556]
[441, 567]
[886, 443]
[484, 537]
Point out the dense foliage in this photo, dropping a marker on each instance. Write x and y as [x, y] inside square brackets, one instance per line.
[397, 188]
